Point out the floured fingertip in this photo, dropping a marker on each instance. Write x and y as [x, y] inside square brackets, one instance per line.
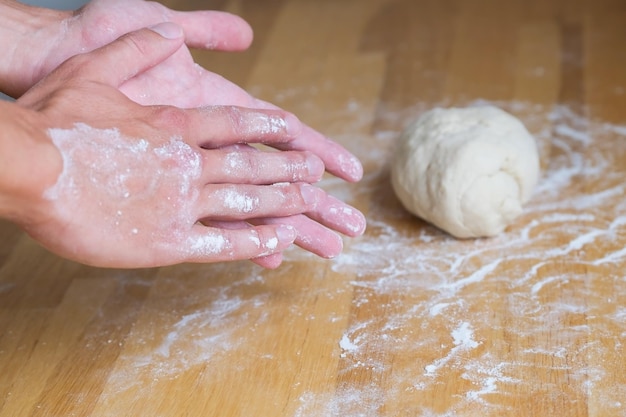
[351, 167]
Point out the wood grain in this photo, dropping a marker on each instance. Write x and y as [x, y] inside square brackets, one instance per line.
[408, 321]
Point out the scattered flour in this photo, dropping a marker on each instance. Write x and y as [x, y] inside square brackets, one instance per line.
[347, 345]
[236, 200]
[185, 331]
[463, 340]
[576, 217]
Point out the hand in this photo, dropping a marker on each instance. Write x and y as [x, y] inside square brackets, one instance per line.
[42, 39]
[138, 182]
[180, 82]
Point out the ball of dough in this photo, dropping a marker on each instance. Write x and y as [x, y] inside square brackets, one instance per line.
[468, 171]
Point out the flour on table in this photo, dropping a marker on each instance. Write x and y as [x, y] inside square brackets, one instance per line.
[575, 216]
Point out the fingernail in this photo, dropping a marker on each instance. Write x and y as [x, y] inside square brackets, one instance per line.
[333, 250]
[286, 233]
[315, 166]
[357, 224]
[309, 194]
[168, 30]
[293, 125]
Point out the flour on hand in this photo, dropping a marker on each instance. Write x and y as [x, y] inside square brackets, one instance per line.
[468, 171]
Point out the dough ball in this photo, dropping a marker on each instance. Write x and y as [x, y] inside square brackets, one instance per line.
[468, 171]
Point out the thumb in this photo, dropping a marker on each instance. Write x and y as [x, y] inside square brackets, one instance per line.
[134, 53]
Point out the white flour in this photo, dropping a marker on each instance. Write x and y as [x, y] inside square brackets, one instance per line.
[182, 331]
[234, 199]
[463, 340]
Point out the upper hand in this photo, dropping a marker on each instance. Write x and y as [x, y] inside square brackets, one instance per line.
[178, 81]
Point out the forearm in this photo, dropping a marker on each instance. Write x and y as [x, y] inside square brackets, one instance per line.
[25, 31]
[29, 164]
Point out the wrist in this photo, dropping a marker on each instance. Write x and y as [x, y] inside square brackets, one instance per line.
[26, 34]
[30, 165]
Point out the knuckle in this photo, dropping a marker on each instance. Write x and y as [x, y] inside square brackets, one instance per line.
[233, 117]
[239, 202]
[171, 117]
[77, 66]
[241, 164]
[134, 42]
[252, 163]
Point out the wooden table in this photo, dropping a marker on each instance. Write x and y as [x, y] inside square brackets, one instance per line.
[408, 321]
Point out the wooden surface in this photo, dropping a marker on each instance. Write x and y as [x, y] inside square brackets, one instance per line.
[408, 321]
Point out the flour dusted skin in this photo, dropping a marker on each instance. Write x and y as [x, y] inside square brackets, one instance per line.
[468, 171]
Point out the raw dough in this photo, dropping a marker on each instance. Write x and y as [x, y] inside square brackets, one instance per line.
[466, 170]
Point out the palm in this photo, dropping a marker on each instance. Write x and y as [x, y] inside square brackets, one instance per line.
[179, 81]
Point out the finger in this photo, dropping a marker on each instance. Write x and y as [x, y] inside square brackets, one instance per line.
[272, 261]
[131, 54]
[241, 202]
[337, 159]
[219, 126]
[339, 216]
[214, 30]
[312, 236]
[207, 244]
[239, 164]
